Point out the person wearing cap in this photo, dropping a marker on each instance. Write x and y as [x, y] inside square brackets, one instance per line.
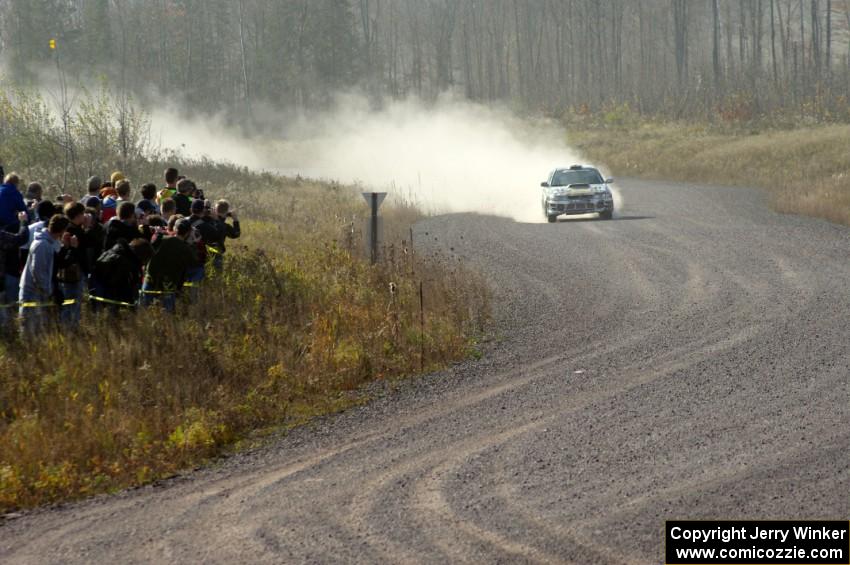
[115, 177]
[167, 270]
[92, 202]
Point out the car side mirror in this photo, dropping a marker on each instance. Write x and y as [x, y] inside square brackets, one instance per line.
[609, 181]
[544, 184]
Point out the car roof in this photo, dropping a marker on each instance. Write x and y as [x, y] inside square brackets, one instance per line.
[575, 168]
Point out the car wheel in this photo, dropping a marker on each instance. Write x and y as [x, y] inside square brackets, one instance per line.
[552, 219]
[606, 215]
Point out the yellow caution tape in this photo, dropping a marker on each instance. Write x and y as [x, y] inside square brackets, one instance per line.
[143, 291]
[46, 304]
[110, 301]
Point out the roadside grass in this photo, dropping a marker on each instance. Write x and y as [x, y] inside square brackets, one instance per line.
[804, 171]
[293, 326]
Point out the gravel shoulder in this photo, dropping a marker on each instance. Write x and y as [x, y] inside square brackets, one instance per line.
[688, 359]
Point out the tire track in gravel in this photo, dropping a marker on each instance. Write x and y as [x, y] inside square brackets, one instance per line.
[649, 367]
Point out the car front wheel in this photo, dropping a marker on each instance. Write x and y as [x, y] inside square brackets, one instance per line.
[606, 215]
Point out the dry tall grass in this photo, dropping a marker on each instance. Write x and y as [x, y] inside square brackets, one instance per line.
[294, 325]
[805, 171]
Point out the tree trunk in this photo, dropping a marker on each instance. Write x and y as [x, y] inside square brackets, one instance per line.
[715, 51]
[680, 31]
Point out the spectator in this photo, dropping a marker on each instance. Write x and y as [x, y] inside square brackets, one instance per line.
[206, 232]
[224, 230]
[106, 189]
[34, 195]
[94, 203]
[124, 226]
[35, 192]
[72, 262]
[124, 191]
[109, 202]
[14, 261]
[11, 202]
[168, 267]
[94, 185]
[95, 235]
[9, 244]
[37, 287]
[170, 189]
[148, 224]
[145, 208]
[118, 272]
[149, 195]
[183, 198]
[168, 208]
[172, 222]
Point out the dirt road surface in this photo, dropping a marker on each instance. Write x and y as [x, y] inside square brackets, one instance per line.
[688, 360]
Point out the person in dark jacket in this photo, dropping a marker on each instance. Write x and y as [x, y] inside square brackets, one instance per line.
[225, 230]
[167, 269]
[34, 195]
[183, 198]
[149, 196]
[95, 233]
[118, 273]
[72, 262]
[204, 235]
[11, 202]
[10, 243]
[123, 226]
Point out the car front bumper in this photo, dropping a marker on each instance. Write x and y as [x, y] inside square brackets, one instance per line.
[584, 206]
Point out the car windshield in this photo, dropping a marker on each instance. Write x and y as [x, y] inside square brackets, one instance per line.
[584, 176]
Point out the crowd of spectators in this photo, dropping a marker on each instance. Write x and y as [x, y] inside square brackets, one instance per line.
[105, 249]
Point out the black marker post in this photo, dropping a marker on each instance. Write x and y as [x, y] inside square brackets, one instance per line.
[374, 199]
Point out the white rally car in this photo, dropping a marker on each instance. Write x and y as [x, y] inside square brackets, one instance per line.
[577, 190]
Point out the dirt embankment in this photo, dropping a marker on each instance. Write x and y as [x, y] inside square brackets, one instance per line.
[805, 171]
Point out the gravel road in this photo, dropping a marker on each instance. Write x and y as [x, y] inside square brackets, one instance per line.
[689, 359]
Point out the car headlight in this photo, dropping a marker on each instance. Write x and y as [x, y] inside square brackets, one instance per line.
[559, 191]
[600, 189]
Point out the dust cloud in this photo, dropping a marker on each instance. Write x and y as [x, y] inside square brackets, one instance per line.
[451, 156]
